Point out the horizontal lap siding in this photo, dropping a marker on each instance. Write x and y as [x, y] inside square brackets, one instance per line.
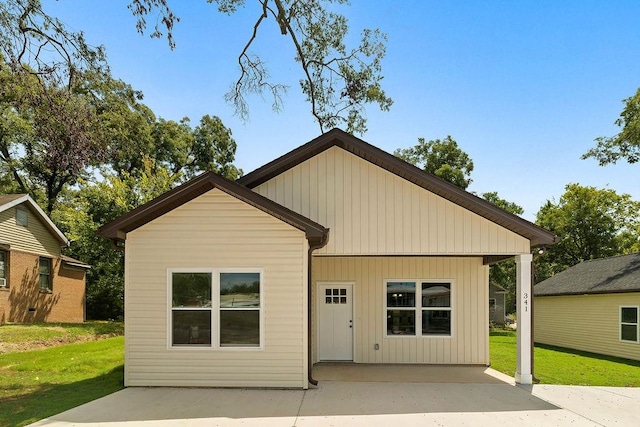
[216, 230]
[35, 237]
[469, 341]
[371, 211]
[585, 322]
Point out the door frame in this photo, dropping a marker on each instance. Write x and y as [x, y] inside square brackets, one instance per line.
[353, 315]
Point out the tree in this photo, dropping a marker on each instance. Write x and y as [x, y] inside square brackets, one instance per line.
[591, 223]
[626, 144]
[92, 205]
[337, 81]
[442, 158]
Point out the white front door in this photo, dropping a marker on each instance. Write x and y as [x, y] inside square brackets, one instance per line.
[335, 321]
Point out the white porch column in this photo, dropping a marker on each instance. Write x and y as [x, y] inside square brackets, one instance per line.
[523, 308]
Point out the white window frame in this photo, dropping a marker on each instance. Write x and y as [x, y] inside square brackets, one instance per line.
[418, 308]
[636, 324]
[215, 308]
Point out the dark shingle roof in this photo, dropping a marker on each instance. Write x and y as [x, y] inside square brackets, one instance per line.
[336, 137]
[599, 276]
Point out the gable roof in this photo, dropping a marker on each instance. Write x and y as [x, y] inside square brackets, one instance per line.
[599, 276]
[338, 138]
[8, 201]
[117, 229]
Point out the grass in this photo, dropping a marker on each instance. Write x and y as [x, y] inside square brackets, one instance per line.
[556, 365]
[28, 336]
[36, 384]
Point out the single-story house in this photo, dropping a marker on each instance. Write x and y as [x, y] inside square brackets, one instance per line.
[336, 251]
[37, 282]
[496, 304]
[593, 306]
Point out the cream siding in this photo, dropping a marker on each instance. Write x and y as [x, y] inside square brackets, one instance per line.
[470, 336]
[34, 238]
[585, 322]
[371, 211]
[216, 230]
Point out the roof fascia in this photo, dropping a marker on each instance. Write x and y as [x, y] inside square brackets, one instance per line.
[117, 229]
[336, 137]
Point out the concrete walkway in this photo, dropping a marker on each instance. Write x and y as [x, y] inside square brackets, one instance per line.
[492, 401]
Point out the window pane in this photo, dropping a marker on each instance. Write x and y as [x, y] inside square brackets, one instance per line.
[240, 328]
[401, 294]
[3, 258]
[44, 265]
[191, 327]
[239, 290]
[629, 332]
[191, 289]
[436, 322]
[436, 295]
[629, 314]
[401, 322]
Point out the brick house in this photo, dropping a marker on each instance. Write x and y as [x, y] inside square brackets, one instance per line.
[37, 282]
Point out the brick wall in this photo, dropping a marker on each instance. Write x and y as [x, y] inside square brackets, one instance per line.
[23, 302]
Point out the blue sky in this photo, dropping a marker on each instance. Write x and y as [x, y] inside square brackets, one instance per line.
[524, 87]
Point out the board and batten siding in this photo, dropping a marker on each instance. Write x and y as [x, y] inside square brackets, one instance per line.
[34, 238]
[372, 211]
[469, 342]
[585, 322]
[216, 230]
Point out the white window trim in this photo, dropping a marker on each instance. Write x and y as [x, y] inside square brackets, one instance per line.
[215, 309]
[418, 309]
[636, 324]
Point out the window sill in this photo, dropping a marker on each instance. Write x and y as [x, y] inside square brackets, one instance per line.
[48, 291]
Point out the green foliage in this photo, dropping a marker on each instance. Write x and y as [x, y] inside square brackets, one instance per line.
[556, 365]
[591, 223]
[58, 332]
[94, 204]
[442, 158]
[337, 81]
[41, 383]
[626, 144]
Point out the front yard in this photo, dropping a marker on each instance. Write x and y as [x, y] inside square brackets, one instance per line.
[36, 383]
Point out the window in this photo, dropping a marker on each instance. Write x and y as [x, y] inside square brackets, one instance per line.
[629, 324]
[3, 270]
[22, 218]
[492, 306]
[429, 315]
[44, 268]
[216, 308]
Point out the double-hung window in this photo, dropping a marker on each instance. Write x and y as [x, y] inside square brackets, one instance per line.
[4, 282]
[418, 308]
[44, 270]
[629, 324]
[216, 308]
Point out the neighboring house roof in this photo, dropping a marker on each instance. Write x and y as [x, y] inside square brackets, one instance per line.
[336, 137]
[8, 201]
[117, 229]
[498, 289]
[599, 276]
[72, 262]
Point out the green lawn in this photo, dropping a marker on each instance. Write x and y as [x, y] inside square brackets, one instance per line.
[36, 384]
[555, 365]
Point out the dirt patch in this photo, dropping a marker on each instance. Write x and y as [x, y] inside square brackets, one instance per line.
[11, 347]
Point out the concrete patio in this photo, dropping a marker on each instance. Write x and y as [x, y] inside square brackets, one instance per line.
[411, 395]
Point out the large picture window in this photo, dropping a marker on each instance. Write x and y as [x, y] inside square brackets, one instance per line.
[216, 308]
[629, 324]
[427, 315]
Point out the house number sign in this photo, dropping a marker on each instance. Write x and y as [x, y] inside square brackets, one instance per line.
[525, 301]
